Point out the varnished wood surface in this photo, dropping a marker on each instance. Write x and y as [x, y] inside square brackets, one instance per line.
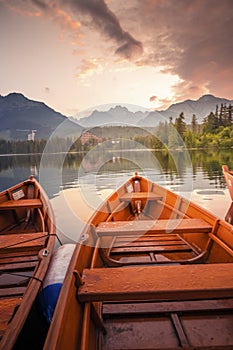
[154, 226]
[24, 240]
[153, 308]
[150, 196]
[133, 270]
[157, 283]
[24, 234]
[21, 203]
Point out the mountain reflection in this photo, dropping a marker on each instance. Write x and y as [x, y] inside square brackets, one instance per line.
[162, 166]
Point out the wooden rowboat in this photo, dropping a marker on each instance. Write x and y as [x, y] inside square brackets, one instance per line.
[229, 179]
[27, 236]
[155, 272]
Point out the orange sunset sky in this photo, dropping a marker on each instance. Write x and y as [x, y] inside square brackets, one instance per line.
[75, 54]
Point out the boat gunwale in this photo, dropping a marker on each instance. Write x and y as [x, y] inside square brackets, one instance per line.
[19, 318]
[56, 329]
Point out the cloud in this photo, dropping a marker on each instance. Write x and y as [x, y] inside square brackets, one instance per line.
[51, 10]
[131, 49]
[164, 103]
[161, 103]
[108, 24]
[186, 88]
[71, 14]
[187, 38]
[41, 4]
[88, 67]
[192, 39]
[21, 8]
[153, 98]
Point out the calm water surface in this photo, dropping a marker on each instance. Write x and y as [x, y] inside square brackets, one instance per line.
[78, 183]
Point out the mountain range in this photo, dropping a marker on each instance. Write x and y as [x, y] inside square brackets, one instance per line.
[121, 115]
[20, 115]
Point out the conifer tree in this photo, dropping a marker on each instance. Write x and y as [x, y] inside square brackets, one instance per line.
[194, 124]
[180, 124]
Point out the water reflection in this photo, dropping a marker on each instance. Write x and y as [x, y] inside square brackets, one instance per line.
[87, 179]
[111, 166]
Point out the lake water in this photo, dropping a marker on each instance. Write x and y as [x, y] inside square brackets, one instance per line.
[78, 183]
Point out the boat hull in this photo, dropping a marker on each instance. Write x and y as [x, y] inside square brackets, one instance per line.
[155, 273]
[229, 179]
[27, 239]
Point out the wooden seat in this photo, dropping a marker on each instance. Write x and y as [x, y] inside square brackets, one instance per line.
[15, 242]
[153, 226]
[21, 203]
[154, 249]
[179, 282]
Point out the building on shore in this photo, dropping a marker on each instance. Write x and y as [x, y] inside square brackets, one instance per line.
[87, 136]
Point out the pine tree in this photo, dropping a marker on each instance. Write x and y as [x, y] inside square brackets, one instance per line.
[194, 124]
[180, 125]
[210, 123]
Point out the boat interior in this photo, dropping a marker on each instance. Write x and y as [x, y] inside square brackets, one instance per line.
[154, 271]
[24, 231]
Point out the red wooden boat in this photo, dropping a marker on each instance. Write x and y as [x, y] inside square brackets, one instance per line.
[228, 174]
[155, 272]
[27, 236]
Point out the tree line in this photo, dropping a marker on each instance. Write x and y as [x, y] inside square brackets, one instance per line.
[216, 130]
[55, 145]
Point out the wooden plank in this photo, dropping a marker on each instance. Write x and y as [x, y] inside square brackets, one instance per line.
[227, 248]
[21, 203]
[16, 231]
[7, 307]
[154, 226]
[180, 282]
[25, 240]
[19, 266]
[8, 254]
[96, 314]
[150, 248]
[148, 244]
[147, 239]
[183, 340]
[7, 292]
[21, 232]
[18, 259]
[149, 196]
[187, 306]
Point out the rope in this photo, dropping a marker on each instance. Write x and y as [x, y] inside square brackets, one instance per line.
[21, 275]
[56, 235]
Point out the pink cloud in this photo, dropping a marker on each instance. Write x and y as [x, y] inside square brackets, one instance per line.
[187, 38]
[191, 39]
[90, 13]
[153, 98]
[107, 23]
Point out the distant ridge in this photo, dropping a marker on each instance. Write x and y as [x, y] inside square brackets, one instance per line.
[19, 115]
[201, 107]
[115, 115]
[121, 115]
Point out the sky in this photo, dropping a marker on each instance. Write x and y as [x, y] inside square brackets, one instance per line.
[77, 54]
